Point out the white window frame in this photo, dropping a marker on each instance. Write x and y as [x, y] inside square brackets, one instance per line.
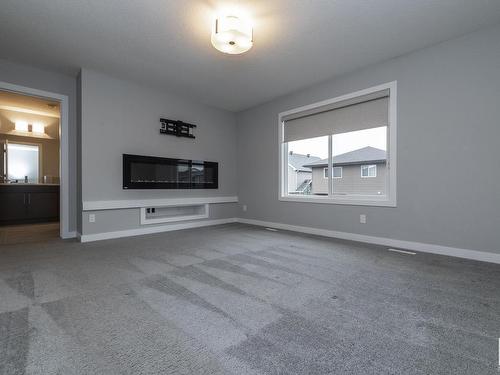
[341, 172]
[368, 166]
[387, 200]
[325, 169]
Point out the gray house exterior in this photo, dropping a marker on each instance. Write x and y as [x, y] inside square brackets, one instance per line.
[300, 176]
[361, 172]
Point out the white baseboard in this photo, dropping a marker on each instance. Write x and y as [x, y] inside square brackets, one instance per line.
[67, 235]
[390, 242]
[155, 229]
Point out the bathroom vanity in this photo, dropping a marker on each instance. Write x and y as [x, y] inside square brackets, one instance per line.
[28, 203]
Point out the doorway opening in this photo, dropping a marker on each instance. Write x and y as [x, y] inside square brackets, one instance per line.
[33, 165]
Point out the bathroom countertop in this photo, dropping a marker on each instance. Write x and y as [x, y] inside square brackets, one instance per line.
[19, 185]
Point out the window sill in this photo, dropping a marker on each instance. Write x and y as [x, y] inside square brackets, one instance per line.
[353, 201]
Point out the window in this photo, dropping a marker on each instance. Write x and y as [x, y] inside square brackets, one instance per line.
[368, 171]
[354, 136]
[337, 172]
[22, 162]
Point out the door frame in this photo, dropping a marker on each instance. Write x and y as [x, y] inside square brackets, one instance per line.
[63, 148]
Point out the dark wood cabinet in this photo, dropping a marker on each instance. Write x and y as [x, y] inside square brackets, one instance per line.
[28, 203]
[43, 205]
[12, 206]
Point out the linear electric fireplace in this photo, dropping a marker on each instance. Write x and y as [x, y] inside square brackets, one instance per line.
[148, 172]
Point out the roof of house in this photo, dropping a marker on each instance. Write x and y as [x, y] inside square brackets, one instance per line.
[360, 156]
[297, 161]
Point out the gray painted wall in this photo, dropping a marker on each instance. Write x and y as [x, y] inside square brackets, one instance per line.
[121, 117]
[351, 181]
[448, 131]
[27, 76]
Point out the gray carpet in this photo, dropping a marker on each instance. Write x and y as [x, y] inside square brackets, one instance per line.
[238, 299]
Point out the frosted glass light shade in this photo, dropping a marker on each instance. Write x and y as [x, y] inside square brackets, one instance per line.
[232, 35]
[21, 126]
[38, 128]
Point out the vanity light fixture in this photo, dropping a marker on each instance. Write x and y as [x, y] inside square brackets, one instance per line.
[232, 35]
[38, 128]
[21, 126]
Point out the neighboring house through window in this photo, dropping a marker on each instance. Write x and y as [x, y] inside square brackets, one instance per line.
[348, 168]
[299, 176]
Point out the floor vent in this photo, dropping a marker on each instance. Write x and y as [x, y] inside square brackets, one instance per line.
[271, 229]
[402, 251]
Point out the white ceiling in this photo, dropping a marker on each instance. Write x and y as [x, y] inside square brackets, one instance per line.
[166, 43]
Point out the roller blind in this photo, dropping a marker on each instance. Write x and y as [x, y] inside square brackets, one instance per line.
[369, 111]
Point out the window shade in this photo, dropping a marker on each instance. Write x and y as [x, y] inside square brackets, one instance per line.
[370, 111]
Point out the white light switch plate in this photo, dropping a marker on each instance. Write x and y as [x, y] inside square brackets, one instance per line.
[362, 219]
[244, 208]
[91, 218]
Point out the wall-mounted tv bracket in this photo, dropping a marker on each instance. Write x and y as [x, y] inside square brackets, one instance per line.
[177, 128]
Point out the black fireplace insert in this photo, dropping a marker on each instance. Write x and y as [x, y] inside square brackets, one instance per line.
[149, 172]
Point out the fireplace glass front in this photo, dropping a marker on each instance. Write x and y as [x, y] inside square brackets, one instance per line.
[148, 172]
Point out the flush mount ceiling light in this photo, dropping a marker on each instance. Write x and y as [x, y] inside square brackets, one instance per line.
[232, 35]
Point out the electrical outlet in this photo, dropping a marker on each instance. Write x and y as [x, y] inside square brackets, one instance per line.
[91, 218]
[244, 208]
[362, 219]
